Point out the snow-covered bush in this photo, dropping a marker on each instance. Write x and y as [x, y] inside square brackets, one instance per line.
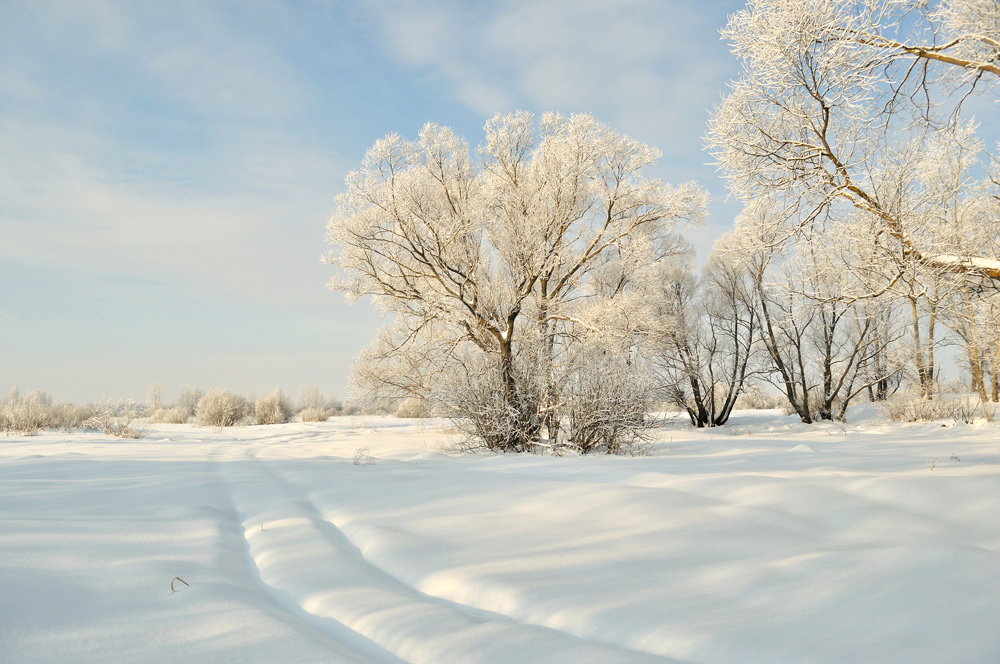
[222, 408]
[412, 407]
[312, 407]
[68, 416]
[154, 397]
[313, 415]
[608, 399]
[175, 415]
[960, 408]
[488, 419]
[119, 417]
[27, 415]
[362, 457]
[310, 396]
[272, 409]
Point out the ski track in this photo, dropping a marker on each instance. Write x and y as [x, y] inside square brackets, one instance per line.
[344, 599]
[337, 636]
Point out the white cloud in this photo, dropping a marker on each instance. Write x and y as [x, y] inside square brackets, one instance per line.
[650, 68]
[648, 65]
[192, 53]
[256, 235]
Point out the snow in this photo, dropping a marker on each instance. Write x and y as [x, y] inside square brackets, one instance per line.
[973, 262]
[762, 541]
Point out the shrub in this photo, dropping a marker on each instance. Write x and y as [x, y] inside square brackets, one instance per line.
[413, 408]
[68, 416]
[607, 402]
[188, 400]
[176, 415]
[313, 415]
[222, 408]
[363, 458]
[966, 409]
[272, 409]
[26, 416]
[477, 408]
[119, 417]
[12, 397]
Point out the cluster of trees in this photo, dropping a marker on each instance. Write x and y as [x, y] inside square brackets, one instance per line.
[537, 290]
[223, 408]
[27, 414]
[845, 137]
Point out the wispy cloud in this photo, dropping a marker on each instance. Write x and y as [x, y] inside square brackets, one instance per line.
[262, 219]
[652, 66]
[176, 154]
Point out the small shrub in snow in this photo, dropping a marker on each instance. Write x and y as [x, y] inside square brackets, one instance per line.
[413, 408]
[68, 416]
[363, 458]
[175, 415]
[312, 406]
[478, 409]
[607, 404]
[118, 417]
[272, 409]
[222, 408]
[313, 415]
[966, 409]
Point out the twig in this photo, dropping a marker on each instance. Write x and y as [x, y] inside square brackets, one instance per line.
[177, 578]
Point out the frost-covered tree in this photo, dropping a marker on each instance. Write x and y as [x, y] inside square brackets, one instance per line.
[490, 264]
[824, 346]
[831, 89]
[703, 340]
[961, 217]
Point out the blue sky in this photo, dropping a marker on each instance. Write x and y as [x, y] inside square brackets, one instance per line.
[167, 169]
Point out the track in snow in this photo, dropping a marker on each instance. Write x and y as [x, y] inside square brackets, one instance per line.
[313, 572]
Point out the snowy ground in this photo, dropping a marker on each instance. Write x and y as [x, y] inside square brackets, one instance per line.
[765, 541]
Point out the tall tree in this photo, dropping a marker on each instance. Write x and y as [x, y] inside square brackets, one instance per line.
[703, 335]
[487, 263]
[831, 88]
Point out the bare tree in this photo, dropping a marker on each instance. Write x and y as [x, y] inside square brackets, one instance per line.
[703, 341]
[154, 397]
[824, 346]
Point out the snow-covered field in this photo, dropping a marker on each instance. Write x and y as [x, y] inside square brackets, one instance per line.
[763, 541]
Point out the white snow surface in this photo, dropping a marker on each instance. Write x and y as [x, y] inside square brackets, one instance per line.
[762, 541]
